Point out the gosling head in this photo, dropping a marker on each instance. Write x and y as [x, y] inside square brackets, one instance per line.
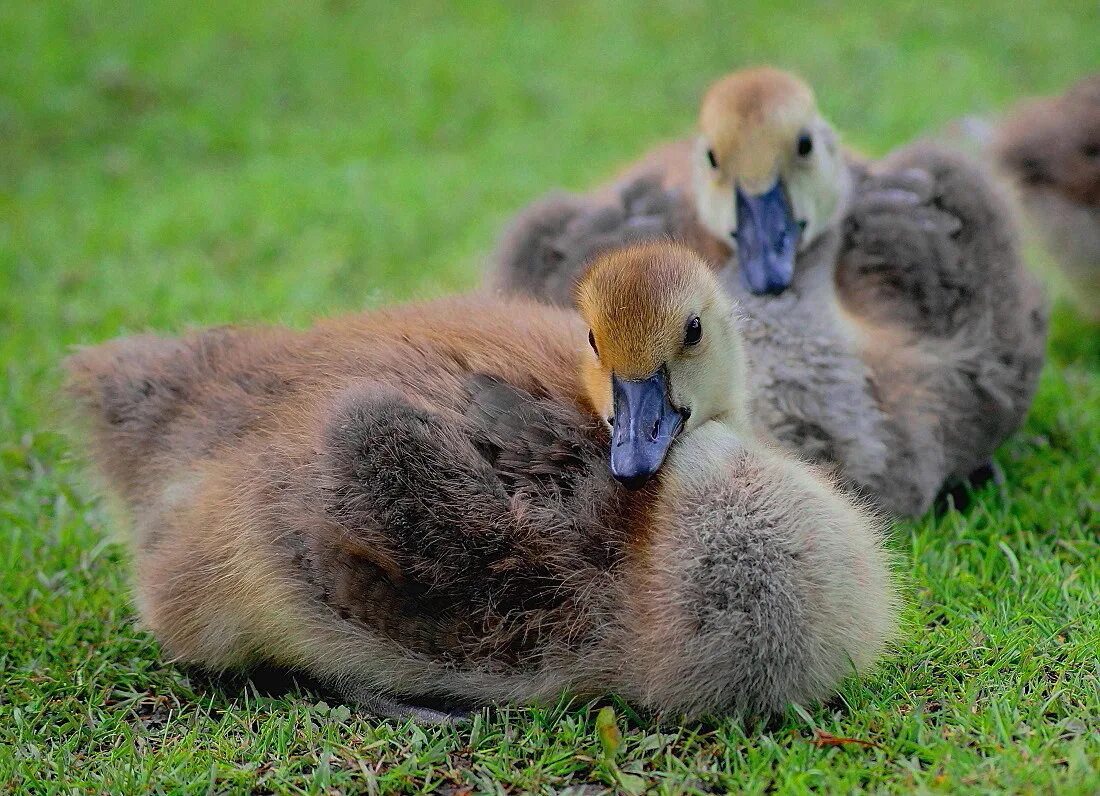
[769, 177]
[665, 354]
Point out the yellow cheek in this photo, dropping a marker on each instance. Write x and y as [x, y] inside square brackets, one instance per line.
[597, 387]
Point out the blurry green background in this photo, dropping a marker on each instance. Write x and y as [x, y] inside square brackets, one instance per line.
[167, 164]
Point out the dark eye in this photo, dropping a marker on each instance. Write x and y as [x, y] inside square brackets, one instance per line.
[1091, 150]
[713, 160]
[805, 144]
[592, 342]
[694, 331]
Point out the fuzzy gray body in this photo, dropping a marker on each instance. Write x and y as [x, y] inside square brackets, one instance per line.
[813, 393]
[408, 519]
[908, 346]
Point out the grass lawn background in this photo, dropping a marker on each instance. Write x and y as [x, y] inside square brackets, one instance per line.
[164, 165]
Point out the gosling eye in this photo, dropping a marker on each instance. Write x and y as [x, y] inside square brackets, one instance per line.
[693, 333]
[712, 159]
[805, 144]
[592, 342]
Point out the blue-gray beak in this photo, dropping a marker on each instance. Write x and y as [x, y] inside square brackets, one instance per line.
[767, 240]
[645, 424]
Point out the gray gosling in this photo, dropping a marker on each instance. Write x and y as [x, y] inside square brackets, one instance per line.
[891, 326]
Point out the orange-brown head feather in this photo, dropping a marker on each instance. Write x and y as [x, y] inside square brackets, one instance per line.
[638, 302]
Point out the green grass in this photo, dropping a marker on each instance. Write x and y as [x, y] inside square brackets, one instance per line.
[163, 165]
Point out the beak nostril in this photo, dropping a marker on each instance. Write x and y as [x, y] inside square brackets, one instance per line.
[656, 430]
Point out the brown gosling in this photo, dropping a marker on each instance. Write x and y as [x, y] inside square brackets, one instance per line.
[1050, 147]
[414, 505]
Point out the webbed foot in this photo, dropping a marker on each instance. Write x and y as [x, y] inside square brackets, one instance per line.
[957, 494]
[392, 707]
